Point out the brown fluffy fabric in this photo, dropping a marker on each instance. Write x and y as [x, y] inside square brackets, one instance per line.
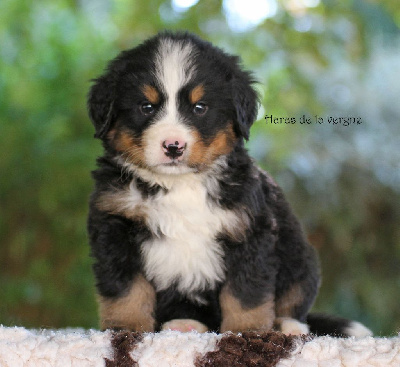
[250, 349]
[123, 342]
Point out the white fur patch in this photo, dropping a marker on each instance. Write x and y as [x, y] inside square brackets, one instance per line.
[185, 251]
[174, 67]
[184, 223]
[357, 330]
[291, 326]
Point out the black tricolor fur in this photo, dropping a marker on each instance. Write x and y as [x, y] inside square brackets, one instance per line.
[182, 224]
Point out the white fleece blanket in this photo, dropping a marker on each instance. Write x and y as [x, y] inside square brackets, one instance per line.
[21, 347]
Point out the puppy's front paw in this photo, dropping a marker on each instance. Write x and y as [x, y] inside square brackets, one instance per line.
[185, 326]
[291, 326]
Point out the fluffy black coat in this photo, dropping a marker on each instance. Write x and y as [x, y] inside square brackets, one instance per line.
[173, 114]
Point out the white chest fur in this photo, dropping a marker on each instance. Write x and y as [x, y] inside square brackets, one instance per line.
[184, 250]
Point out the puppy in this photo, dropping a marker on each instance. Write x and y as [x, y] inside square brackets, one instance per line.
[186, 231]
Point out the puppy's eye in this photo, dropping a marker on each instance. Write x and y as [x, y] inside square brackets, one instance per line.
[147, 108]
[200, 109]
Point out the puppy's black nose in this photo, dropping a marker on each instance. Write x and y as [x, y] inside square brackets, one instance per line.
[173, 149]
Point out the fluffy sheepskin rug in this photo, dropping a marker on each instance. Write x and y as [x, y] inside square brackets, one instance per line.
[20, 347]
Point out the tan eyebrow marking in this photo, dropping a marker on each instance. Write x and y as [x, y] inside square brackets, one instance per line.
[196, 94]
[151, 94]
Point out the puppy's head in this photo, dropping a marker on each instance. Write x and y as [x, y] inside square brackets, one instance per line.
[173, 105]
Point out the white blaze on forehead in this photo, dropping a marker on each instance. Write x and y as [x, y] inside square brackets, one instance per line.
[174, 69]
[174, 64]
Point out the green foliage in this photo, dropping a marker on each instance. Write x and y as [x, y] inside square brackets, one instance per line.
[327, 60]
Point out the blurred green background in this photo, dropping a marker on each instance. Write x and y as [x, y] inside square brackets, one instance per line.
[311, 57]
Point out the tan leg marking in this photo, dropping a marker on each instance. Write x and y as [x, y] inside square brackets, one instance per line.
[236, 318]
[285, 305]
[133, 311]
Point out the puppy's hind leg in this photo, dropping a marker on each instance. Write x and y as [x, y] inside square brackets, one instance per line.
[238, 318]
[291, 310]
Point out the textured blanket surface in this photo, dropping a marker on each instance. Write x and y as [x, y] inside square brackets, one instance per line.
[22, 347]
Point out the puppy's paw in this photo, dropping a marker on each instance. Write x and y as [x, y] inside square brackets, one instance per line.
[185, 326]
[291, 326]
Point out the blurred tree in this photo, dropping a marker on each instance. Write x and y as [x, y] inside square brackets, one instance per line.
[311, 57]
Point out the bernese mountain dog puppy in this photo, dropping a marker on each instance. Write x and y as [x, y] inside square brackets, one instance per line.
[186, 231]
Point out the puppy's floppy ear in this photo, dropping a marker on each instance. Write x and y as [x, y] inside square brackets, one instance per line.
[101, 104]
[245, 100]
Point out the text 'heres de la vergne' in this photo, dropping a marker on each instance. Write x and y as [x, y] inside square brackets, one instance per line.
[306, 120]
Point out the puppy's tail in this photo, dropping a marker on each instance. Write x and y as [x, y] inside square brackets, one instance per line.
[322, 324]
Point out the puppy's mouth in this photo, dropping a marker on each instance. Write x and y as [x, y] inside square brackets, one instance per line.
[173, 163]
[174, 167]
